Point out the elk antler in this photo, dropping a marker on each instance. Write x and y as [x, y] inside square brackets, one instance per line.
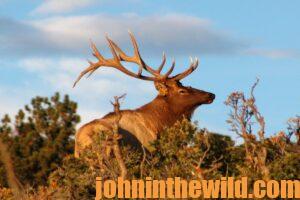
[193, 66]
[119, 55]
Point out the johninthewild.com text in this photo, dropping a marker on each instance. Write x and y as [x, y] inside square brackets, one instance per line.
[226, 187]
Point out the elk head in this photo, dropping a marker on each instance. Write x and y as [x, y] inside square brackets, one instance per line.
[169, 87]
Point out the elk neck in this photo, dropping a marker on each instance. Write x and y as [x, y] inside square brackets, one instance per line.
[162, 114]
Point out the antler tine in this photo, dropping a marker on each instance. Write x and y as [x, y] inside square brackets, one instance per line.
[113, 51]
[96, 52]
[170, 70]
[92, 68]
[91, 72]
[137, 57]
[136, 48]
[137, 54]
[193, 66]
[123, 57]
[162, 63]
[156, 73]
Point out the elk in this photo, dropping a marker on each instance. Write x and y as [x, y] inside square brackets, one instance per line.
[143, 125]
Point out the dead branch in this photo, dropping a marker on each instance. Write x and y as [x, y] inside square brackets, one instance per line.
[259, 118]
[143, 162]
[294, 128]
[116, 136]
[206, 151]
[244, 113]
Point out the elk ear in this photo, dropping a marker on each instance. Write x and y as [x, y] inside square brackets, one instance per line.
[161, 88]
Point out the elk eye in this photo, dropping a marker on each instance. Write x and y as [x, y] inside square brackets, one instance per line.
[182, 91]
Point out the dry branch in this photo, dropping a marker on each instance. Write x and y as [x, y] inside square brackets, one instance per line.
[294, 128]
[116, 136]
[244, 114]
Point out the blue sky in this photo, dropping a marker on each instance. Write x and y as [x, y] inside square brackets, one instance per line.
[45, 44]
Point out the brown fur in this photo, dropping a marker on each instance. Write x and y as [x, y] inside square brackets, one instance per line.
[146, 122]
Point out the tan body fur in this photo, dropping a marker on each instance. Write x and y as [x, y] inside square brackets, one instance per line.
[144, 123]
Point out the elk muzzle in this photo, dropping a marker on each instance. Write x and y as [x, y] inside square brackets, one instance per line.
[211, 97]
[205, 97]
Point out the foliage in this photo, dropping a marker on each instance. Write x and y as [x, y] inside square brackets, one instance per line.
[40, 142]
[40, 137]
[182, 150]
[265, 158]
[287, 167]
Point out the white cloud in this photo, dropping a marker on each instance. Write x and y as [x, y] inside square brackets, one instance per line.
[47, 64]
[61, 6]
[193, 35]
[70, 35]
[37, 64]
[176, 34]
[274, 53]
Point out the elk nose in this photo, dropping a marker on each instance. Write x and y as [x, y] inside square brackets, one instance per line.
[212, 96]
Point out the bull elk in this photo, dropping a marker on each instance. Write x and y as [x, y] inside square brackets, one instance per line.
[173, 102]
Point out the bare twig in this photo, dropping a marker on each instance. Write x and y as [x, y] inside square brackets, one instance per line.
[206, 151]
[294, 128]
[117, 136]
[143, 162]
[256, 113]
[243, 110]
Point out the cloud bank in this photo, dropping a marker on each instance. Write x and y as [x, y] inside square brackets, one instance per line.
[176, 34]
[274, 53]
[61, 6]
[70, 35]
